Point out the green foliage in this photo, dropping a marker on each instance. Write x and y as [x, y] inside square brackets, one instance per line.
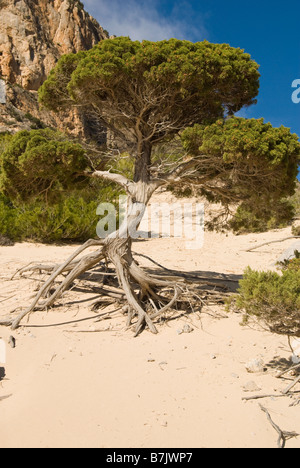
[262, 218]
[272, 298]
[42, 196]
[36, 123]
[296, 231]
[291, 263]
[251, 163]
[40, 161]
[71, 218]
[250, 142]
[7, 217]
[124, 165]
[177, 82]
[295, 199]
[4, 140]
[53, 93]
[294, 263]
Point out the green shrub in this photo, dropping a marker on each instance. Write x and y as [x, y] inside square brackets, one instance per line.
[8, 217]
[272, 298]
[248, 219]
[43, 195]
[295, 199]
[294, 264]
[5, 138]
[71, 219]
[290, 263]
[40, 162]
[296, 231]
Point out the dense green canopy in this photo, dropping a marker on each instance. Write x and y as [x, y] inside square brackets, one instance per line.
[149, 90]
[244, 151]
[243, 160]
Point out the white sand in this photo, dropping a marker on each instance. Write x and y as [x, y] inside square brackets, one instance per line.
[107, 389]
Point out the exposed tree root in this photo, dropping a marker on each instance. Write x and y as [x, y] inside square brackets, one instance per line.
[145, 298]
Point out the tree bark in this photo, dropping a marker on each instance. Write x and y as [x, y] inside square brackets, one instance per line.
[143, 163]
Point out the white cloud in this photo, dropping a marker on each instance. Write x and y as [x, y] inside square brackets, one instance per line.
[143, 20]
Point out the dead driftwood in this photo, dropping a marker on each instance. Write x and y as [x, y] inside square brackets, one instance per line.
[283, 436]
[271, 242]
[258, 397]
[291, 385]
[5, 397]
[287, 390]
[296, 366]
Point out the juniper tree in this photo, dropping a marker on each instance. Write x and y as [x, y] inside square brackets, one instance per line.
[148, 93]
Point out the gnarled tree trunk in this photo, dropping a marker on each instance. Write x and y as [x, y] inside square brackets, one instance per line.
[118, 249]
[138, 290]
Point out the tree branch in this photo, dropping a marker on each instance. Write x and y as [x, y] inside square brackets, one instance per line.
[187, 171]
[113, 177]
[271, 242]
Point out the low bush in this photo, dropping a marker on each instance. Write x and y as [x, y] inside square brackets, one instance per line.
[44, 194]
[5, 138]
[71, 219]
[295, 199]
[275, 215]
[247, 219]
[296, 231]
[272, 298]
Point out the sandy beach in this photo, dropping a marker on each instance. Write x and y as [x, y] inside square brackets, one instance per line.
[89, 383]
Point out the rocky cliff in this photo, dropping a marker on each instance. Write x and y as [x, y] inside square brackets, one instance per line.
[33, 36]
[35, 33]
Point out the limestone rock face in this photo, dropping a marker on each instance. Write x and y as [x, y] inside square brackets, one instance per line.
[35, 33]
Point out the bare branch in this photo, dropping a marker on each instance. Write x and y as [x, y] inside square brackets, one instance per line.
[113, 177]
[272, 242]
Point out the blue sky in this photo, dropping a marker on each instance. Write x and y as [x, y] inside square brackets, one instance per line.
[268, 30]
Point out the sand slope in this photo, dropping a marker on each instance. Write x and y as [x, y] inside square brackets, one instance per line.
[91, 384]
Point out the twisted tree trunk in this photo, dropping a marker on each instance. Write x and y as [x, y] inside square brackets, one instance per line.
[138, 290]
[118, 249]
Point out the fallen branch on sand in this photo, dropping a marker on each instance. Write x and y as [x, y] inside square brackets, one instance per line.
[294, 382]
[296, 366]
[5, 397]
[292, 385]
[271, 242]
[259, 397]
[283, 436]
